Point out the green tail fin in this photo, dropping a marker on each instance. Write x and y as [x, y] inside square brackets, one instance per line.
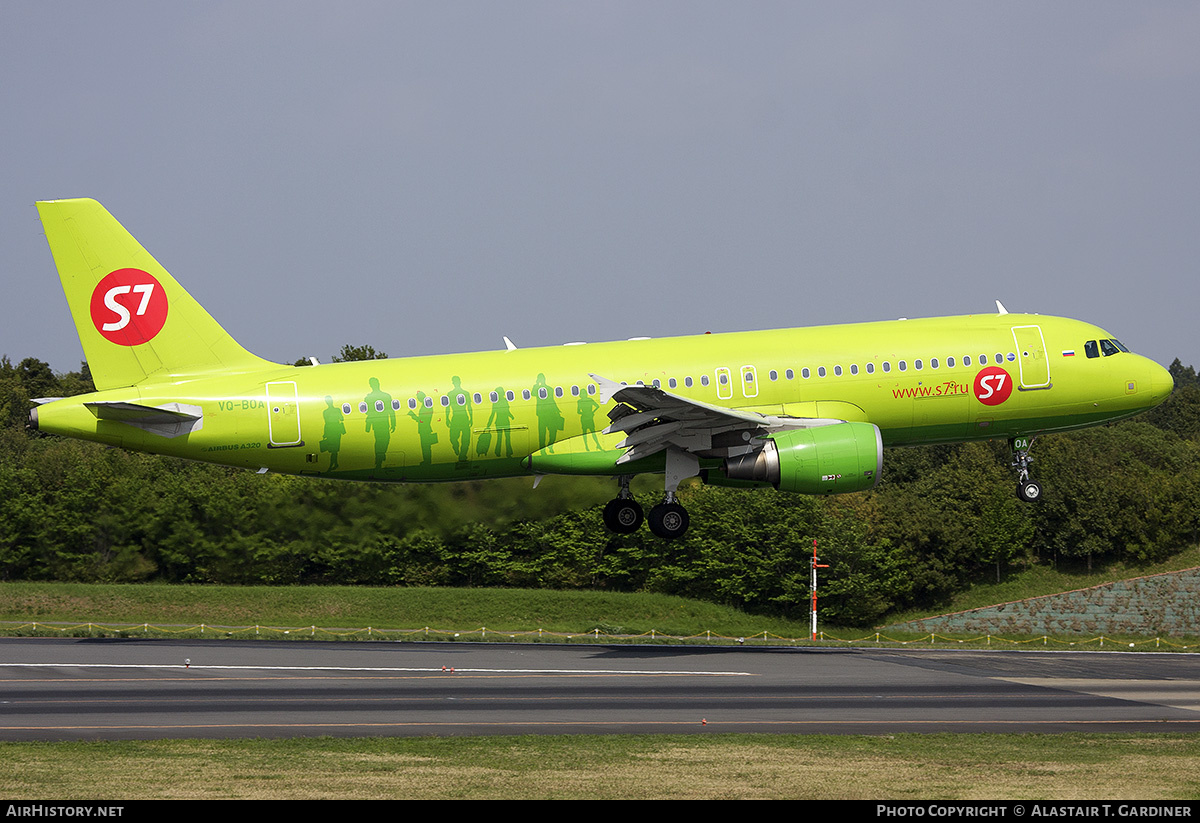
[135, 322]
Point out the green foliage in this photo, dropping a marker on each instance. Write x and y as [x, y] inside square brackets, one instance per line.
[943, 518]
[350, 353]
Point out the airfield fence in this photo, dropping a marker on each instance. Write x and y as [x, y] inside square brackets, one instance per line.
[483, 634]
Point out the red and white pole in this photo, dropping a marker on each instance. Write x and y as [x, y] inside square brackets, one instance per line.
[813, 586]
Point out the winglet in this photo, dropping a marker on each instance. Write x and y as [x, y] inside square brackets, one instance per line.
[1000, 308]
[509, 345]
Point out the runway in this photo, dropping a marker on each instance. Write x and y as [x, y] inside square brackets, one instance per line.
[77, 689]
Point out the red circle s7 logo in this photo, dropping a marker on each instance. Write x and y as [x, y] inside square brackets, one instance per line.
[129, 307]
[992, 386]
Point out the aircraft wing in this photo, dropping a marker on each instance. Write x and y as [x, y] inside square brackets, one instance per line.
[655, 419]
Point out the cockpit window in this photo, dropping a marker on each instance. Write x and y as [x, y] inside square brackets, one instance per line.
[1091, 349]
[1107, 348]
[1119, 345]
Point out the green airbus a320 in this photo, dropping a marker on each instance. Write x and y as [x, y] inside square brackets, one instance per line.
[806, 410]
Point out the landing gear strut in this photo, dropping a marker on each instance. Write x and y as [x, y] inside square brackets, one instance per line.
[669, 519]
[1028, 489]
[623, 515]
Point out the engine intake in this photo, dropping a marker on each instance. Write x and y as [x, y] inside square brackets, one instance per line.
[844, 457]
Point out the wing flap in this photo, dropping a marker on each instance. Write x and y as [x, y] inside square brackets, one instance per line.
[656, 420]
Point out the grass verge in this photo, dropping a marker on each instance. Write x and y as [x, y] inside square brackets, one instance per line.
[901, 767]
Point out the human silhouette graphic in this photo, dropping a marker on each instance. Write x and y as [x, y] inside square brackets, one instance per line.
[460, 419]
[335, 427]
[381, 419]
[424, 417]
[501, 417]
[586, 407]
[550, 419]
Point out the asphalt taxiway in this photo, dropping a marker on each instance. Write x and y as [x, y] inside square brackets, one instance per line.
[79, 689]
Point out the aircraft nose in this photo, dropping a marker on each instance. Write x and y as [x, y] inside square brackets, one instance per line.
[1161, 383]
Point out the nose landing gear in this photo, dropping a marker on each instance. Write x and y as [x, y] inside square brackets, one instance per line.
[1028, 489]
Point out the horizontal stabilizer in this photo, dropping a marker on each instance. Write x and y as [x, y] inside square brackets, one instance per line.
[169, 420]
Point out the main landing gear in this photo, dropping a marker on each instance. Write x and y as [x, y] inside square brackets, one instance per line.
[1028, 489]
[669, 519]
[623, 514]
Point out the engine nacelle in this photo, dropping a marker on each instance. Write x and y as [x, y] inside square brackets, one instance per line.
[844, 457]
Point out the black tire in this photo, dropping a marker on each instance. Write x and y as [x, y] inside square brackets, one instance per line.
[623, 515]
[669, 520]
[1030, 491]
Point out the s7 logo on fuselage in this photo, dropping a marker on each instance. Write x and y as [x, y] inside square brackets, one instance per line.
[993, 386]
[129, 307]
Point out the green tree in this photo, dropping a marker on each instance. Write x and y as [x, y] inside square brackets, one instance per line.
[351, 353]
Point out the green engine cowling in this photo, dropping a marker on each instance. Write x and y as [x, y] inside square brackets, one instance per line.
[844, 457]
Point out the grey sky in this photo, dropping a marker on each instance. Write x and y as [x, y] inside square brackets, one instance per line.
[426, 177]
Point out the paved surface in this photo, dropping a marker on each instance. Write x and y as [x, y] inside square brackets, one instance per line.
[60, 689]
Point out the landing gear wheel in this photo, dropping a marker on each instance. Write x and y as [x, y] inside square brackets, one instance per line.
[1029, 491]
[623, 515]
[668, 520]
